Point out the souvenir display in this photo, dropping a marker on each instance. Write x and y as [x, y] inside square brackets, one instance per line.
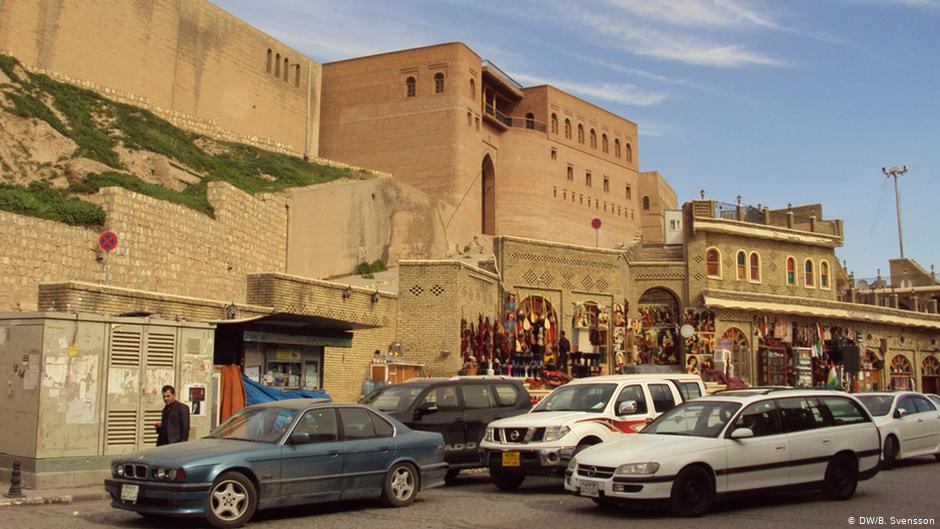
[531, 334]
[655, 329]
[804, 354]
[591, 324]
[700, 345]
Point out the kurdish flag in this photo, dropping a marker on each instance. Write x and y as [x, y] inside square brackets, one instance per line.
[832, 380]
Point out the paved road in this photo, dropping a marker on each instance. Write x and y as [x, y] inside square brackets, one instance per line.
[911, 491]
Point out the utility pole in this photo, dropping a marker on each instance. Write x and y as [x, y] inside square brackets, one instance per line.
[895, 172]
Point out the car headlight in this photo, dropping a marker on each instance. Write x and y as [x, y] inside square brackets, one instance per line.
[489, 435]
[118, 470]
[176, 474]
[573, 464]
[554, 433]
[159, 473]
[637, 469]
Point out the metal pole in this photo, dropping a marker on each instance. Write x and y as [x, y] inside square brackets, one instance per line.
[895, 172]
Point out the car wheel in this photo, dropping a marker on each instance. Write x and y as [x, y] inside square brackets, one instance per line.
[451, 475]
[401, 485]
[232, 501]
[693, 492]
[890, 455]
[506, 480]
[841, 478]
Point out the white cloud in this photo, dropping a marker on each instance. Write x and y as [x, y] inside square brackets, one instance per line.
[624, 93]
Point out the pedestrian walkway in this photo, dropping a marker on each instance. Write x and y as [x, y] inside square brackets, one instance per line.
[56, 496]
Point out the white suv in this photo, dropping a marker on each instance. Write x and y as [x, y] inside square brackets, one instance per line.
[575, 416]
[732, 443]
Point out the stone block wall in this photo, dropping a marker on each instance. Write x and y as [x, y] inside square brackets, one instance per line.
[434, 297]
[162, 247]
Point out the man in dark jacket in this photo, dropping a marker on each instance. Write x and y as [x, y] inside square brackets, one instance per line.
[564, 348]
[174, 424]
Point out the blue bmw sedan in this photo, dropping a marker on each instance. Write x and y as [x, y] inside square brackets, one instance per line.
[281, 453]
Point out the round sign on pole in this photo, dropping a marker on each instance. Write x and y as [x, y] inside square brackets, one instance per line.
[596, 224]
[108, 241]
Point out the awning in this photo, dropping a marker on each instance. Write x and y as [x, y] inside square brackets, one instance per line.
[297, 329]
[851, 313]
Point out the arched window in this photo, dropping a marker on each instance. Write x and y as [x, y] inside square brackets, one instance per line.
[606, 185]
[824, 275]
[809, 274]
[755, 267]
[286, 69]
[571, 173]
[580, 133]
[587, 178]
[530, 121]
[791, 271]
[629, 153]
[554, 123]
[296, 75]
[742, 265]
[568, 128]
[270, 58]
[438, 83]
[473, 89]
[604, 146]
[593, 139]
[646, 202]
[277, 65]
[410, 84]
[713, 262]
[617, 147]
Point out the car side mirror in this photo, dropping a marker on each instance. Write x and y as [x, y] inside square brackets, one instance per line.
[627, 407]
[299, 438]
[742, 433]
[900, 412]
[426, 408]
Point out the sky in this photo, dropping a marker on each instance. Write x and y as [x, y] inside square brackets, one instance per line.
[795, 101]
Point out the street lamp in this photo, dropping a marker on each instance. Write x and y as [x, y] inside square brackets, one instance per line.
[895, 172]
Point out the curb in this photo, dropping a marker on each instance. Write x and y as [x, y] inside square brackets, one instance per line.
[51, 500]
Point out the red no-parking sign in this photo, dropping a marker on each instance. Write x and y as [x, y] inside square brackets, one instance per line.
[108, 241]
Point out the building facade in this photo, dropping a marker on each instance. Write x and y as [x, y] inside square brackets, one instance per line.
[505, 159]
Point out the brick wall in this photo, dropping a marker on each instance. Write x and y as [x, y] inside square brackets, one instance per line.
[434, 297]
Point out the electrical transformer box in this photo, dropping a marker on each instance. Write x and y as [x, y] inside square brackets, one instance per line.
[79, 389]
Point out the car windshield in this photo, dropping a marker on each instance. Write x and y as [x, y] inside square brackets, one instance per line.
[696, 418]
[577, 397]
[392, 398]
[878, 405]
[265, 425]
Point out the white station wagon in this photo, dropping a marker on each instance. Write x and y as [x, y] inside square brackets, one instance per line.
[734, 443]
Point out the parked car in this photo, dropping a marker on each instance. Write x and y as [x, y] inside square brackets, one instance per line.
[909, 424]
[727, 444]
[579, 414]
[935, 399]
[280, 453]
[459, 408]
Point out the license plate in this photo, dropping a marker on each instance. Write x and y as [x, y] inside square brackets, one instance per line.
[511, 459]
[129, 493]
[588, 488]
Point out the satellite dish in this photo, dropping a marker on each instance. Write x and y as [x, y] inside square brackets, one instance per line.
[687, 331]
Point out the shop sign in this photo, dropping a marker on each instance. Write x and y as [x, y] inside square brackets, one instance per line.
[284, 354]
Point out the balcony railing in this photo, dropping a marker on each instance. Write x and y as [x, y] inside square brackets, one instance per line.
[519, 122]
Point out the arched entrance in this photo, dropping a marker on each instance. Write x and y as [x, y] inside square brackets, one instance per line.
[657, 342]
[930, 375]
[901, 373]
[488, 172]
[736, 340]
[537, 332]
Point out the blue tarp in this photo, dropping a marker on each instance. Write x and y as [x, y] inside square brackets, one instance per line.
[256, 393]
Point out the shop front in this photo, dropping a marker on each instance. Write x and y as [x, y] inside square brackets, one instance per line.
[655, 331]
[283, 351]
[930, 375]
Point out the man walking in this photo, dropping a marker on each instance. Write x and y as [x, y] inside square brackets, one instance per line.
[564, 347]
[174, 424]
